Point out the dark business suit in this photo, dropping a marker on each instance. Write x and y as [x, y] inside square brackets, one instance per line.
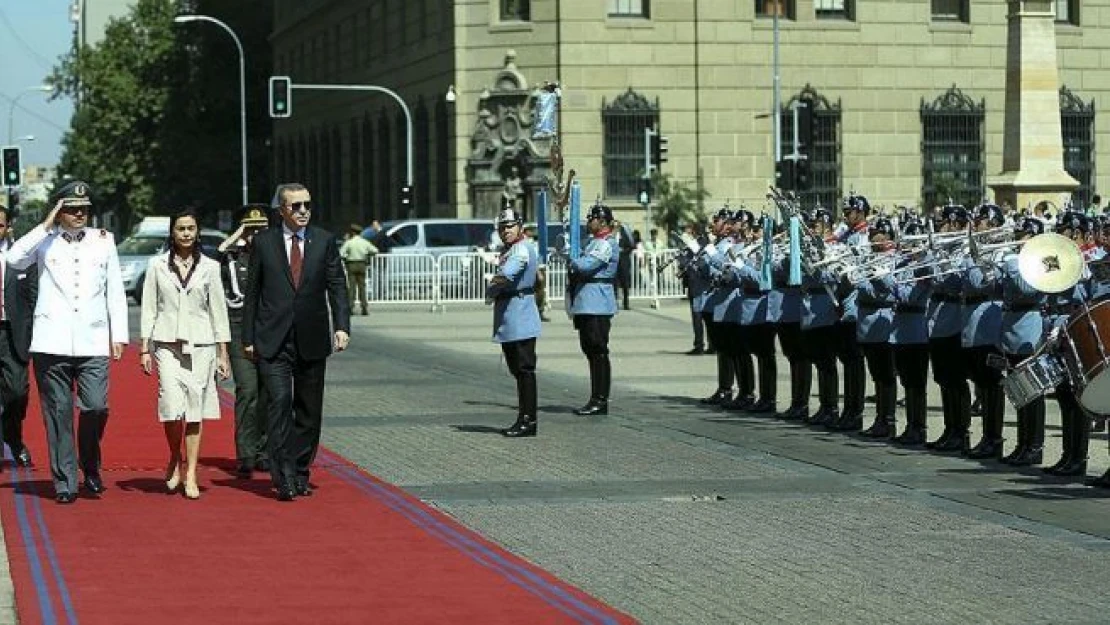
[290, 329]
[21, 288]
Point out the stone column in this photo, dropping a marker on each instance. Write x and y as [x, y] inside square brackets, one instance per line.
[1032, 146]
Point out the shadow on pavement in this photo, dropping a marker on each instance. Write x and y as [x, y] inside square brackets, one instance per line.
[477, 429]
[1077, 491]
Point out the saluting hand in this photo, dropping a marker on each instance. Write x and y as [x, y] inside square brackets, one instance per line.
[48, 223]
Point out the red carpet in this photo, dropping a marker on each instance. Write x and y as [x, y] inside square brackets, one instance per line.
[357, 551]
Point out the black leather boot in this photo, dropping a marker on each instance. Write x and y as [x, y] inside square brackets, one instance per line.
[598, 403]
[994, 404]
[740, 404]
[916, 408]
[725, 374]
[946, 403]
[1022, 447]
[961, 421]
[1080, 435]
[1103, 481]
[525, 426]
[883, 426]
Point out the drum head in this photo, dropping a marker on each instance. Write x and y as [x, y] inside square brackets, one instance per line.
[1096, 395]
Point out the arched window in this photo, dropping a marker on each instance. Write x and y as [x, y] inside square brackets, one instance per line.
[823, 156]
[624, 121]
[952, 146]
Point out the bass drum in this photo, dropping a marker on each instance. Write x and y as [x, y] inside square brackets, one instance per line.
[1085, 349]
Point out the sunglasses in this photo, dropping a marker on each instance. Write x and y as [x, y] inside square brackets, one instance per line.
[297, 206]
[73, 210]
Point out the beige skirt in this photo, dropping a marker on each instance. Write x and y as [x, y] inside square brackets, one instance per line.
[186, 382]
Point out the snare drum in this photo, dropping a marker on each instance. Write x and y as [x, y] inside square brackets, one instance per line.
[1085, 349]
[1032, 378]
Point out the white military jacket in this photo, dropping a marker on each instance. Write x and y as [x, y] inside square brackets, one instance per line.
[82, 307]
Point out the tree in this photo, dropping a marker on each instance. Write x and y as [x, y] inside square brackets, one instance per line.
[676, 204]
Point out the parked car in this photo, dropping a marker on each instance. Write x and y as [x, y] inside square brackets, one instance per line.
[136, 250]
[411, 249]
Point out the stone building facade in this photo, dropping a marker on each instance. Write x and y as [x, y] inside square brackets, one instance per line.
[908, 96]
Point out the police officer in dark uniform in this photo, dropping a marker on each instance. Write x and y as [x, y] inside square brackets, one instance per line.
[516, 318]
[17, 314]
[594, 303]
[251, 397]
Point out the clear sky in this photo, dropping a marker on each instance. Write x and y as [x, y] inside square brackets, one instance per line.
[33, 35]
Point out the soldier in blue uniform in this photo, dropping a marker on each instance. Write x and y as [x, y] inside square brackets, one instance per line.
[594, 302]
[755, 332]
[696, 287]
[911, 342]
[982, 330]
[516, 319]
[819, 328]
[945, 324]
[1075, 424]
[733, 340]
[716, 299]
[1022, 333]
[784, 313]
[875, 302]
[853, 232]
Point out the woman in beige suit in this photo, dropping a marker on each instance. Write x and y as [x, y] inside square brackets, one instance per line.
[185, 332]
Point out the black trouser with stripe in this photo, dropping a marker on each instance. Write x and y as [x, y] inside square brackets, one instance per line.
[819, 345]
[716, 332]
[950, 373]
[760, 339]
[855, 373]
[801, 368]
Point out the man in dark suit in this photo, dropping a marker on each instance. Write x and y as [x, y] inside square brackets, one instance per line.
[295, 279]
[17, 314]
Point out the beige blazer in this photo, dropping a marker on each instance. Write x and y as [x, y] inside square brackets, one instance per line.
[195, 314]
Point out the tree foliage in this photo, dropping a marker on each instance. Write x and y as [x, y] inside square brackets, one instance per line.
[676, 204]
[156, 122]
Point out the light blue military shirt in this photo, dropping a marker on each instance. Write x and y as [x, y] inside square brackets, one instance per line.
[515, 316]
[982, 311]
[875, 303]
[594, 271]
[1022, 326]
[911, 297]
[818, 307]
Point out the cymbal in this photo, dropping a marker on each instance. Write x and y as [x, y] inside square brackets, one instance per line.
[1050, 263]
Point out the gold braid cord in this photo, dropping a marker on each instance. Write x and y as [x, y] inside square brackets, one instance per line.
[560, 190]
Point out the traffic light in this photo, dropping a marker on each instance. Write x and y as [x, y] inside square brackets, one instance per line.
[12, 170]
[644, 192]
[784, 174]
[406, 198]
[281, 96]
[803, 178]
[658, 150]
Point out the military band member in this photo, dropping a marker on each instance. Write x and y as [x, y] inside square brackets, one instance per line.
[18, 293]
[980, 338]
[853, 233]
[945, 325]
[516, 318]
[784, 313]
[755, 331]
[875, 302]
[1075, 424]
[911, 343]
[1022, 333]
[252, 399]
[594, 303]
[818, 327]
[80, 320]
[734, 342]
[715, 301]
[696, 287]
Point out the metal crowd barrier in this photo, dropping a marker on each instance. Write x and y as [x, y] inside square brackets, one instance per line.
[416, 279]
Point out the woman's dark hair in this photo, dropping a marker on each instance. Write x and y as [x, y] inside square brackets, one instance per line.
[178, 216]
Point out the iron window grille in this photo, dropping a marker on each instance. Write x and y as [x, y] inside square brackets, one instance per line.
[951, 11]
[1077, 125]
[624, 121]
[630, 8]
[787, 9]
[515, 11]
[952, 146]
[825, 164]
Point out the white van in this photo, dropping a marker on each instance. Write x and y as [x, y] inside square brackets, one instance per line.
[434, 236]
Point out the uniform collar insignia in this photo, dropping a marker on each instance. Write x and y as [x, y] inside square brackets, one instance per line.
[71, 238]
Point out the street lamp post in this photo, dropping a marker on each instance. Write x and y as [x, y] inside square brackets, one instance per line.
[11, 109]
[182, 19]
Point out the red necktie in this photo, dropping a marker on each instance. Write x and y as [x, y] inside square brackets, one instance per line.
[295, 260]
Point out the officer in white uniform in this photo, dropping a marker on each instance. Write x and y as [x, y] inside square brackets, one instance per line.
[80, 319]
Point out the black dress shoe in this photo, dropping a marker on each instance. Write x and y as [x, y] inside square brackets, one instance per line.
[795, 413]
[244, 470]
[1074, 468]
[93, 484]
[65, 498]
[1103, 481]
[716, 399]
[986, 449]
[941, 441]
[740, 404]
[23, 458]
[595, 406]
[710, 351]
[847, 422]
[955, 443]
[524, 427]
[286, 492]
[762, 406]
[881, 428]
[911, 437]
[1028, 457]
[697, 351]
[302, 488]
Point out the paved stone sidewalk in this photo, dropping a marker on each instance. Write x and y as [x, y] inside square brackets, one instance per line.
[680, 514]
